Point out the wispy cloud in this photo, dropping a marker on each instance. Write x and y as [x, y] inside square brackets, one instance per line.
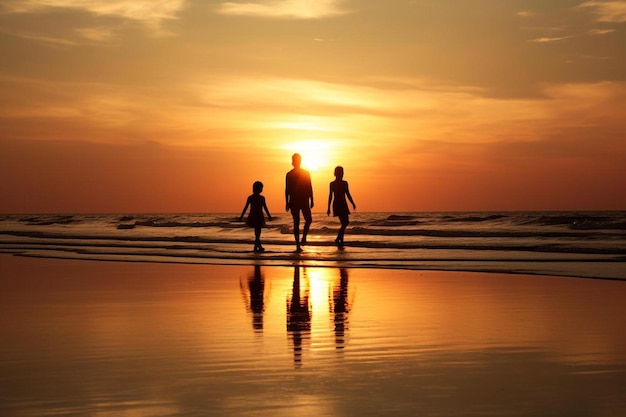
[607, 11]
[149, 12]
[295, 9]
[548, 39]
[56, 42]
[96, 34]
[592, 32]
[600, 32]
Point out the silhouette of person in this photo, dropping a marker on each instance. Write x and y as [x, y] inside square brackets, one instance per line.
[299, 198]
[337, 196]
[256, 202]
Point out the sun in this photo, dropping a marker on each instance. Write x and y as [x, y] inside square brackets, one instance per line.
[316, 154]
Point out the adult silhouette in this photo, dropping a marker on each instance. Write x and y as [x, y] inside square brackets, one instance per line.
[299, 198]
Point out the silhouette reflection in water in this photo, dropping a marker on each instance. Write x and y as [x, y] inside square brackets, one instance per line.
[299, 307]
[299, 314]
[254, 297]
[340, 307]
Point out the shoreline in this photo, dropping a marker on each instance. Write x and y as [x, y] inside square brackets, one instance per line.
[570, 244]
[300, 259]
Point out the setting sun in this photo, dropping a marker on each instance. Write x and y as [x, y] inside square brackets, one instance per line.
[316, 154]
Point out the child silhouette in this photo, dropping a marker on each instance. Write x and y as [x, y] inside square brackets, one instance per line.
[256, 202]
[337, 196]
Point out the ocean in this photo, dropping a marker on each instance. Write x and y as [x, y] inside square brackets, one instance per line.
[577, 244]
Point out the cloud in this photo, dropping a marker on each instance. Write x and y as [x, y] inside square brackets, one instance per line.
[235, 109]
[296, 9]
[608, 11]
[97, 34]
[149, 12]
[547, 39]
[48, 40]
[599, 32]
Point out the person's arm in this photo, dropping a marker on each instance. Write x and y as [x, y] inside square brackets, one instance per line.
[287, 193]
[266, 209]
[244, 209]
[311, 190]
[330, 197]
[349, 196]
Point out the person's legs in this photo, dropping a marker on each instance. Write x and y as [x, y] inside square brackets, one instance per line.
[345, 220]
[308, 219]
[257, 239]
[295, 213]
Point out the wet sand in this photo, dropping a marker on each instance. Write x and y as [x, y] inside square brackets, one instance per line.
[139, 339]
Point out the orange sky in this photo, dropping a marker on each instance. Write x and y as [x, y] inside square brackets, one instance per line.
[180, 105]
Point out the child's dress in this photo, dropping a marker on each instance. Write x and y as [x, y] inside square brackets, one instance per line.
[340, 205]
[256, 218]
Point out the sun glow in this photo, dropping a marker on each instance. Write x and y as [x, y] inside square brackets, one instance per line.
[316, 154]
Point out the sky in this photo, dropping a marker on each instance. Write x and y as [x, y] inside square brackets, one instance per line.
[124, 106]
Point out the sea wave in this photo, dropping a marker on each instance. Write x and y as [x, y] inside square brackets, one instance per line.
[588, 221]
[407, 240]
[460, 241]
[568, 221]
[474, 219]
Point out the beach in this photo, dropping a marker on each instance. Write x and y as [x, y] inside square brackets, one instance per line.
[84, 337]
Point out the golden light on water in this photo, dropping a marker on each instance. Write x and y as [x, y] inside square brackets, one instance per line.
[319, 281]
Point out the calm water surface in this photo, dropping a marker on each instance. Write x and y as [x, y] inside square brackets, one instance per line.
[84, 338]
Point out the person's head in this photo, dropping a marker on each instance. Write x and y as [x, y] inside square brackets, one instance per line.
[339, 172]
[296, 160]
[257, 187]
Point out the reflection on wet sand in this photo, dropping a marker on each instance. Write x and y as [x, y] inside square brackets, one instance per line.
[299, 314]
[340, 307]
[100, 339]
[254, 297]
[299, 306]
